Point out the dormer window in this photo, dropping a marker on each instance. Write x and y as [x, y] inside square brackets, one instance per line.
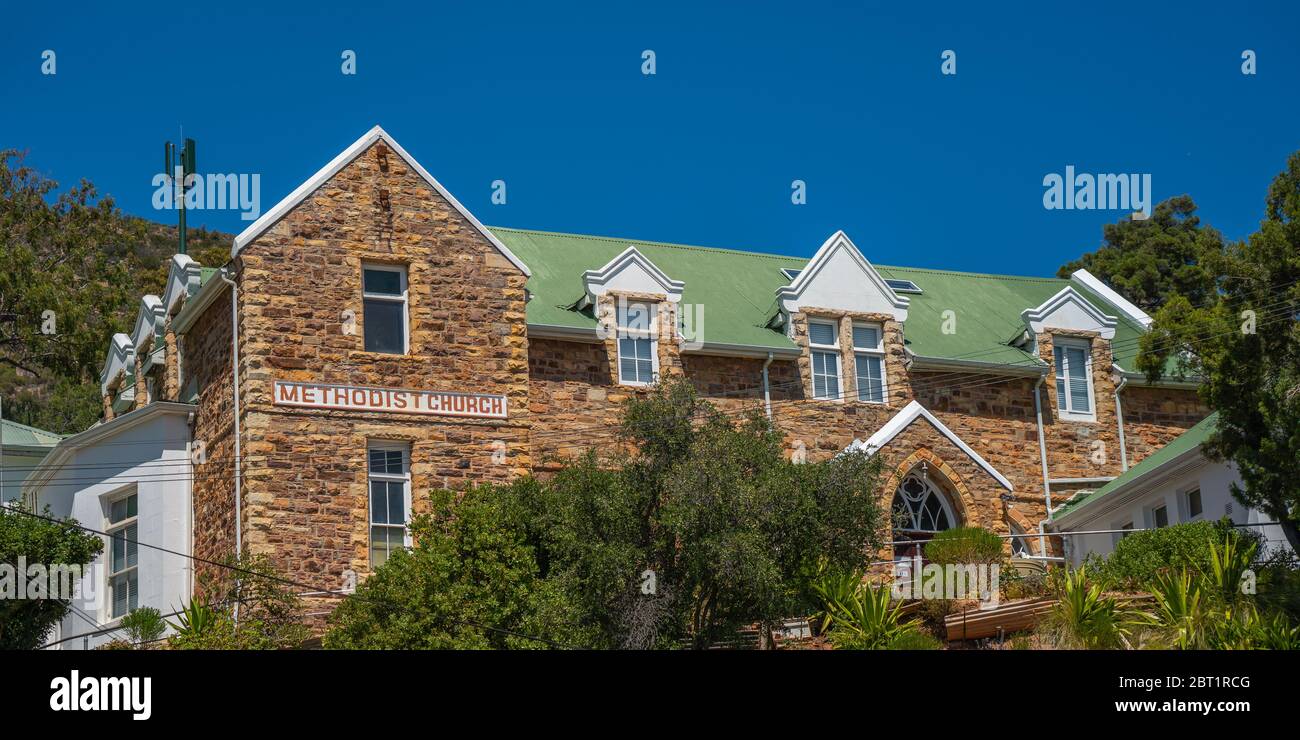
[869, 362]
[638, 351]
[824, 344]
[1074, 396]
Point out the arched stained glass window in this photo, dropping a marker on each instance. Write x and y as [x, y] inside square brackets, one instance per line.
[920, 507]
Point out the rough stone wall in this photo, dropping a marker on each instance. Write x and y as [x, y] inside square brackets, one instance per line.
[208, 359]
[306, 496]
[171, 390]
[1154, 416]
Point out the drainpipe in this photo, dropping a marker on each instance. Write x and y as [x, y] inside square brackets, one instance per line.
[767, 394]
[234, 373]
[1119, 414]
[1042, 456]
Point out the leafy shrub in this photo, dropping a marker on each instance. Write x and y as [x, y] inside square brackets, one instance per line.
[1142, 554]
[144, 625]
[1083, 618]
[964, 545]
[913, 640]
[270, 613]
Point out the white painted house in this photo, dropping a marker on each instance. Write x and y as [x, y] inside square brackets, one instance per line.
[128, 477]
[1176, 484]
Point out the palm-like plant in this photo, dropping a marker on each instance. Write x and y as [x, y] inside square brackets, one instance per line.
[833, 587]
[194, 620]
[1179, 608]
[868, 620]
[1229, 565]
[1083, 617]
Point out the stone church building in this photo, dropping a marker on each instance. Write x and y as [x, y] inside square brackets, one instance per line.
[370, 339]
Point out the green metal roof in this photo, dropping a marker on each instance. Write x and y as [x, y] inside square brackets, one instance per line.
[738, 291]
[1188, 440]
[21, 435]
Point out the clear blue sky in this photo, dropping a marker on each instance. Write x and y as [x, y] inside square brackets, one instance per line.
[918, 168]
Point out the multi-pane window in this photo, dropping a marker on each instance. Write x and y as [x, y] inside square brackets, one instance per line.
[123, 573]
[390, 499]
[638, 359]
[384, 302]
[1073, 378]
[824, 344]
[869, 361]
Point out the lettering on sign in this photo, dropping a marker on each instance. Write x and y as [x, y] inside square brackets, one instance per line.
[392, 400]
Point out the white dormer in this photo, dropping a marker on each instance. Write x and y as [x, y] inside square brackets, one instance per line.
[1068, 309]
[182, 282]
[1115, 299]
[148, 323]
[630, 272]
[120, 361]
[838, 277]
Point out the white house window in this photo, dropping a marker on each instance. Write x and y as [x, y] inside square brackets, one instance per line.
[824, 343]
[1194, 503]
[123, 574]
[384, 302]
[1160, 517]
[1074, 378]
[638, 356]
[869, 361]
[390, 499]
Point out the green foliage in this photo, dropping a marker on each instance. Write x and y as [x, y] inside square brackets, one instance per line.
[1139, 555]
[248, 606]
[1244, 342]
[1083, 618]
[472, 581]
[144, 625]
[26, 623]
[866, 619]
[1179, 607]
[964, 545]
[832, 587]
[1149, 261]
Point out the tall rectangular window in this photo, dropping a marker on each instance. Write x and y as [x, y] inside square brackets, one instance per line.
[869, 362]
[824, 345]
[638, 355]
[384, 302]
[1073, 377]
[1160, 517]
[123, 572]
[1194, 502]
[390, 499]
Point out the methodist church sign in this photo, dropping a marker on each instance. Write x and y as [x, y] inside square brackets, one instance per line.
[392, 400]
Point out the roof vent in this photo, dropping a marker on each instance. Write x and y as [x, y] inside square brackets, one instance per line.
[903, 286]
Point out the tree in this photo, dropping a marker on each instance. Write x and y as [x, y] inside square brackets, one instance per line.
[471, 582]
[1244, 344]
[25, 624]
[1151, 260]
[704, 527]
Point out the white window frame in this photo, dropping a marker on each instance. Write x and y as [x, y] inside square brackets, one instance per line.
[1063, 403]
[1152, 514]
[650, 333]
[831, 349]
[404, 478]
[388, 298]
[877, 352]
[111, 529]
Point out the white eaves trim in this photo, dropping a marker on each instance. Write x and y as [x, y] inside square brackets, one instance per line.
[1068, 309]
[1115, 299]
[338, 163]
[910, 413]
[96, 434]
[631, 272]
[148, 322]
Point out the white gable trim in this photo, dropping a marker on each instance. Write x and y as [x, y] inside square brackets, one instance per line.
[634, 273]
[121, 358]
[910, 413]
[1093, 283]
[338, 163]
[148, 322]
[182, 282]
[1086, 317]
[791, 296]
